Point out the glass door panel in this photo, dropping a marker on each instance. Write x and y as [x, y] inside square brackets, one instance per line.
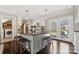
[53, 27]
[64, 32]
[66, 28]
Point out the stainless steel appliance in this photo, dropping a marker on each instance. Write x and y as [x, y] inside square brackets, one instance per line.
[7, 33]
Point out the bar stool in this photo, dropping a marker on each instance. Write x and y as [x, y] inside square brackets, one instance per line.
[16, 38]
[25, 44]
[21, 42]
[45, 40]
[49, 44]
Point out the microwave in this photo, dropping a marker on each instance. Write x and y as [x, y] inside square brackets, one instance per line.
[7, 33]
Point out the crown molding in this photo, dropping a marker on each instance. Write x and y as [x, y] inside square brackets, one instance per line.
[61, 13]
[2, 13]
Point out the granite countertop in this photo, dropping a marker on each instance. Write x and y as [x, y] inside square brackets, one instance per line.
[34, 34]
[53, 37]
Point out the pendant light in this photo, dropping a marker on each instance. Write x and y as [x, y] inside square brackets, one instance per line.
[46, 13]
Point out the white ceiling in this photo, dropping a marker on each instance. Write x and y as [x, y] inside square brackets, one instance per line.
[35, 10]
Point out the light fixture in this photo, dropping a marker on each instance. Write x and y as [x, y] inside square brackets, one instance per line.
[26, 16]
[45, 13]
[27, 12]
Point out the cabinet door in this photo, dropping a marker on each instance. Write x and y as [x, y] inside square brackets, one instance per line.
[64, 48]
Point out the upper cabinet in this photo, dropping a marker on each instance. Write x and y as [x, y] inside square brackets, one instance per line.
[7, 25]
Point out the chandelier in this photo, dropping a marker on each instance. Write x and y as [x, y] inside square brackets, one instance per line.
[27, 15]
[45, 13]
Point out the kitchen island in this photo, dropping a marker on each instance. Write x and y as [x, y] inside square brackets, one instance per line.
[36, 42]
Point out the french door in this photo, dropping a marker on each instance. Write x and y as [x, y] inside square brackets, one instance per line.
[62, 28]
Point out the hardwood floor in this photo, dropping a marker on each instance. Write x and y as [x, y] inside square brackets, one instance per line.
[9, 48]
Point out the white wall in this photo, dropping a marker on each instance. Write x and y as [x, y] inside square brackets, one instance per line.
[76, 18]
[76, 33]
[14, 24]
